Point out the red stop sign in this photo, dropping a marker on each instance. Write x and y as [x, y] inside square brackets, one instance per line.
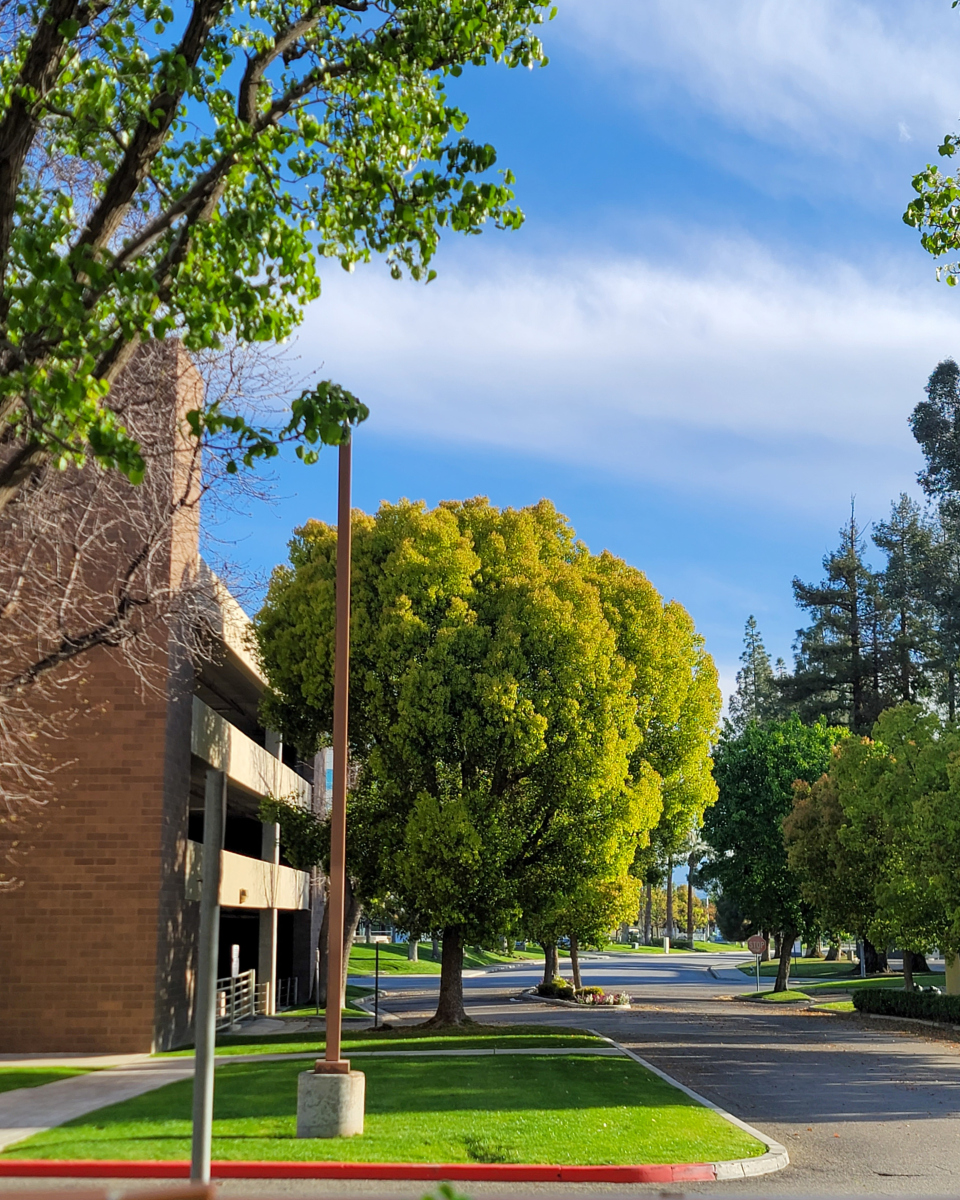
[756, 944]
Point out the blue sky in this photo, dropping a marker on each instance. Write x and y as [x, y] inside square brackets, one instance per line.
[712, 327]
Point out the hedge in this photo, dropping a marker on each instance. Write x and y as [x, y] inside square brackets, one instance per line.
[890, 1002]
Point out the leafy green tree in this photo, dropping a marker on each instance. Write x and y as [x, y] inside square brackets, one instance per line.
[490, 711]
[757, 697]
[834, 867]
[678, 702]
[839, 672]
[890, 791]
[755, 772]
[181, 171]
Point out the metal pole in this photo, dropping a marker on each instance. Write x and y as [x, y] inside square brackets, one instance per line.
[338, 823]
[316, 973]
[376, 985]
[758, 972]
[205, 1016]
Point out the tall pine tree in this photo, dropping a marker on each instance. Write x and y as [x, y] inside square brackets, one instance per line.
[839, 671]
[757, 697]
[907, 540]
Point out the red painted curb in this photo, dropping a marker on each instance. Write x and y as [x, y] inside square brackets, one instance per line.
[505, 1172]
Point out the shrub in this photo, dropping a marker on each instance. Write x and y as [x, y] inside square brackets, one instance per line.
[926, 1005]
[557, 989]
[679, 944]
[590, 991]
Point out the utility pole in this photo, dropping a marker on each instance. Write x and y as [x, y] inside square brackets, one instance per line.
[205, 1012]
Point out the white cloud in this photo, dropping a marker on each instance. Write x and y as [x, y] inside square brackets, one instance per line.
[742, 376]
[823, 73]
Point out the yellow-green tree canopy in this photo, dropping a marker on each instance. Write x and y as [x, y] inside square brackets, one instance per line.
[502, 682]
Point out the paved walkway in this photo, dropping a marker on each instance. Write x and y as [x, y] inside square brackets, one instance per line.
[27, 1111]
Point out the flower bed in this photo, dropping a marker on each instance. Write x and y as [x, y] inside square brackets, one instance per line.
[596, 995]
[560, 989]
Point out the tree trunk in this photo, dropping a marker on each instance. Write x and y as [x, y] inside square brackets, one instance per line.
[691, 864]
[551, 967]
[648, 917]
[783, 965]
[575, 962]
[777, 944]
[352, 911]
[668, 932]
[413, 948]
[765, 956]
[833, 953]
[920, 964]
[450, 1010]
[875, 960]
[322, 946]
[908, 970]
[434, 947]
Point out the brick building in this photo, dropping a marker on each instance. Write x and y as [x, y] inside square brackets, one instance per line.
[97, 943]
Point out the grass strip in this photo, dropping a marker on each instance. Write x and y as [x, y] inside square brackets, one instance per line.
[12, 1078]
[471, 1037]
[533, 1110]
[892, 982]
[394, 961]
[699, 947]
[804, 968]
[843, 1006]
[787, 997]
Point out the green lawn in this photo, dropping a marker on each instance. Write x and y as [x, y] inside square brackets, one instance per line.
[805, 968]
[835, 1006]
[787, 997]
[394, 961]
[354, 993]
[532, 1109]
[875, 981]
[12, 1078]
[706, 947]
[471, 1037]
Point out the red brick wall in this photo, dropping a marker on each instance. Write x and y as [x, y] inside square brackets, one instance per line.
[96, 944]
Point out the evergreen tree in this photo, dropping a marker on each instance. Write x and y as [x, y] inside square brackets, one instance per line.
[935, 423]
[907, 540]
[840, 657]
[756, 697]
[936, 426]
[940, 586]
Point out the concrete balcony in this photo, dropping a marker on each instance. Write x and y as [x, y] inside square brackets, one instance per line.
[250, 882]
[246, 764]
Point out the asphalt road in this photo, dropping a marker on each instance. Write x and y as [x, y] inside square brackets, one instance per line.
[862, 1107]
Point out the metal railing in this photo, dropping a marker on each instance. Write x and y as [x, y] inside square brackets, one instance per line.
[287, 993]
[238, 997]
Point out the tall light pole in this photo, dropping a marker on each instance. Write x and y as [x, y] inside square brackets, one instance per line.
[332, 1062]
[331, 1097]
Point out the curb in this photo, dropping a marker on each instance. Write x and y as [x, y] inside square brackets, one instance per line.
[573, 1004]
[776, 1156]
[504, 1172]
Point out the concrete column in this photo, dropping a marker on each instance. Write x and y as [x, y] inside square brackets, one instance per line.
[267, 962]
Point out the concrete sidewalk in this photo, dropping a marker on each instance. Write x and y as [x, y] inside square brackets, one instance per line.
[27, 1111]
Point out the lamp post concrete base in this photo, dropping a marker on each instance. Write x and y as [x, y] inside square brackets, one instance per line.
[330, 1105]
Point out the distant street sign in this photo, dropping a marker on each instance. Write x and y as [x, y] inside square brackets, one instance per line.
[756, 944]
